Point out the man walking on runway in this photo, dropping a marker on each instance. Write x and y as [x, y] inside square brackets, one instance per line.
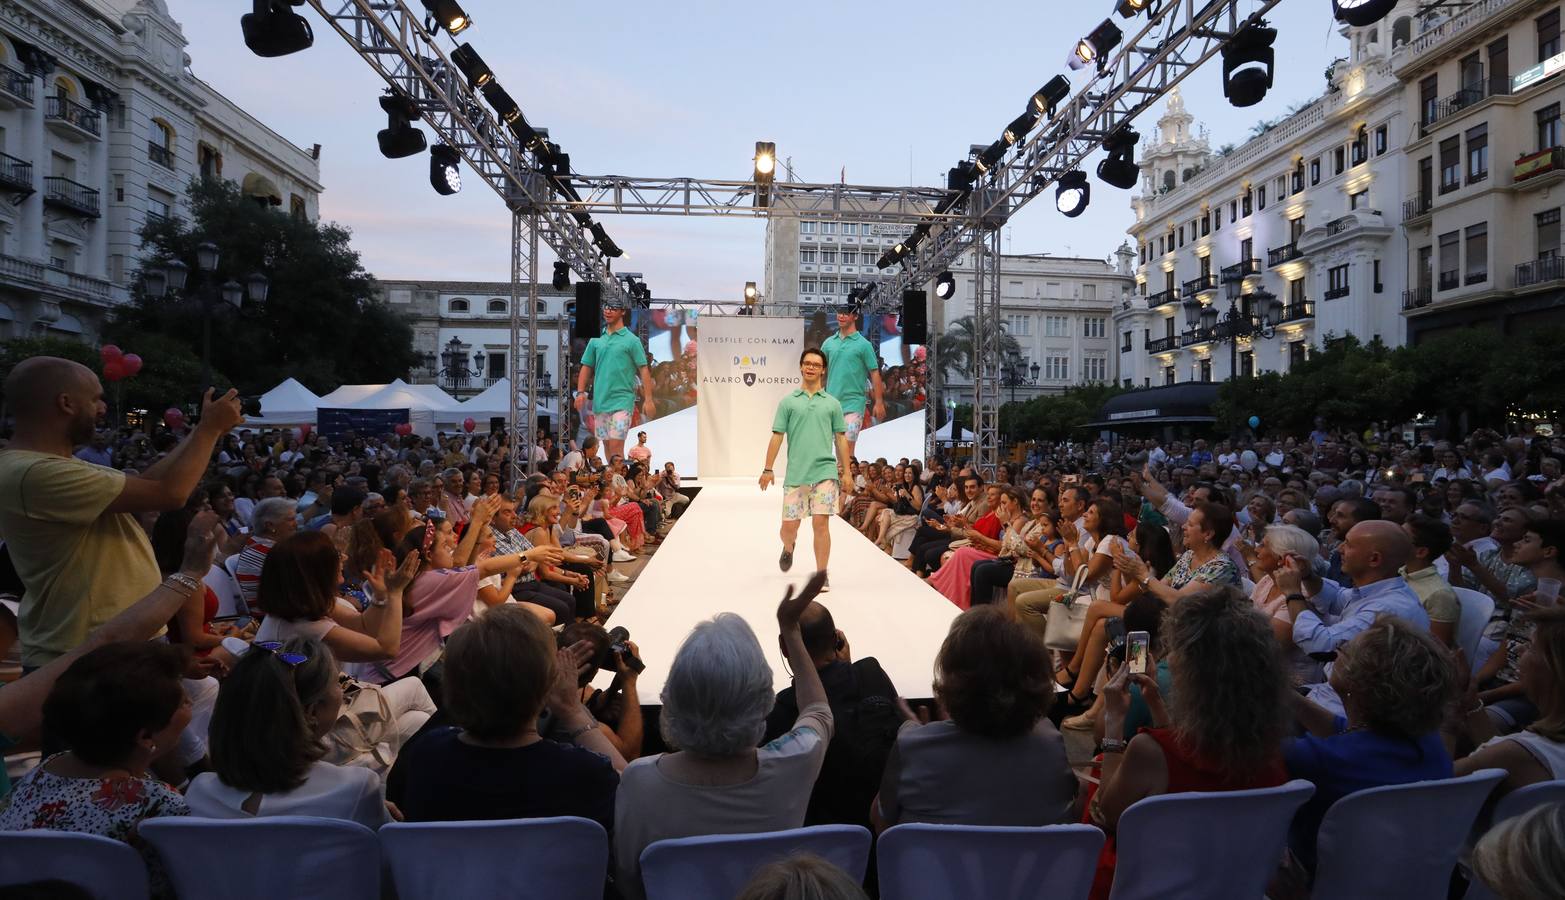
[611, 363]
[851, 361]
[813, 422]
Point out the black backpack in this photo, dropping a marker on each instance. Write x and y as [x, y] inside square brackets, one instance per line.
[866, 721]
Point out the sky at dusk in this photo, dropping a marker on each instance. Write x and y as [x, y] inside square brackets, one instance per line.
[893, 94]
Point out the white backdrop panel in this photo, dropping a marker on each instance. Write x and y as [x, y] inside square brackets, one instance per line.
[745, 365]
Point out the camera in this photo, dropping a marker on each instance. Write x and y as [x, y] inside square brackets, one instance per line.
[1114, 628]
[618, 647]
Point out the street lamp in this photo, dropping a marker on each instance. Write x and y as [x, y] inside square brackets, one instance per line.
[1016, 372]
[170, 278]
[1235, 325]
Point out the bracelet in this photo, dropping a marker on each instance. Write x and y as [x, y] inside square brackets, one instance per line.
[591, 725]
[1112, 745]
[1292, 597]
[1478, 708]
[183, 583]
[766, 472]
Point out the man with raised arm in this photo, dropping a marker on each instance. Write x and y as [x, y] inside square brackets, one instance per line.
[851, 360]
[611, 363]
[70, 525]
[812, 421]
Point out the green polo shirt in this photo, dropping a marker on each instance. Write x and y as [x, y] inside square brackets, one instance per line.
[615, 357]
[812, 423]
[849, 360]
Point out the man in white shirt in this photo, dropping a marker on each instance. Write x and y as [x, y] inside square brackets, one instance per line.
[574, 460]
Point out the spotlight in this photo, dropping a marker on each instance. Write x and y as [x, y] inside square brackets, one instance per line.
[1361, 12]
[449, 15]
[1119, 168]
[1248, 60]
[1128, 9]
[1073, 193]
[511, 114]
[472, 65]
[1049, 96]
[989, 157]
[765, 172]
[945, 285]
[399, 138]
[606, 245]
[1095, 46]
[1019, 127]
[445, 173]
[750, 293]
[275, 30]
[960, 177]
[562, 275]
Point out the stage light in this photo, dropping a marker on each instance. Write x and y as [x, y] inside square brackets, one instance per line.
[945, 285]
[606, 245]
[562, 275]
[1096, 46]
[472, 65]
[1361, 12]
[1119, 167]
[1049, 96]
[399, 138]
[960, 177]
[750, 293]
[991, 155]
[1073, 193]
[1248, 61]
[1019, 127]
[445, 172]
[511, 114]
[765, 172]
[1129, 9]
[448, 14]
[273, 29]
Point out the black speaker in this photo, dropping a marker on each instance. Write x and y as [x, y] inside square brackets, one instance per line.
[589, 314]
[543, 425]
[915, 317]
[497, 424]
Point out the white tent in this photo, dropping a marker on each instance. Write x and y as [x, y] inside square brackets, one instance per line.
[290, 403]
[943, 434]
[495, 400]
[349, 394]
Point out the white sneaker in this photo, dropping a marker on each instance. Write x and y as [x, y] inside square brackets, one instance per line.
[622, 556]
[617, 578]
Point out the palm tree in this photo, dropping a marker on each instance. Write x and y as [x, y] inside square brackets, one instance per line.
[956, 348]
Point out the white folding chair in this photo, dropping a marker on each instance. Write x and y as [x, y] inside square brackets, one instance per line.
[1527, 799]
[1477, 607]
[229, 601]
[299, 856]
[1205, 844]
[562, 858]
[106, 868]
[716, 867]
[938, 862]
[1399, 842]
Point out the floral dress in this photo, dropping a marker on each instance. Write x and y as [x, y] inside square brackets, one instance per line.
[1217, 570]
[107, 807]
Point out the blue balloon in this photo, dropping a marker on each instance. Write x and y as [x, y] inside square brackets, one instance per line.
[1255, 421]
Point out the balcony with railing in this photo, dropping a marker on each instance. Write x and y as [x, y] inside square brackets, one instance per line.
[1470, 95]
[1163, 344]
[1540, 271]
[1336, 293]
[1417, 298]
[1448, 281]
[1441, 31]
[73, 120]
[16, 88]
[1415, 207]
[1197, 285]
[69, 195]
[1475, 277]
[1276, 256]
[160, 154]
[1162, 297]
[1297, 311]
[16, 174]
[1533, 170]
[1197, 336]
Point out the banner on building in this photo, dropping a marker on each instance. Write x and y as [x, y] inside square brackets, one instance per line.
[745, 366]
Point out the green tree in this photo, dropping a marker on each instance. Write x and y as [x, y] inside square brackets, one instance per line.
[322, 322]
[955, 349]
[1055, 416]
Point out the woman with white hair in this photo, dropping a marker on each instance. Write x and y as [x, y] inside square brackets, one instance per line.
[715, 701]
[1278, 544]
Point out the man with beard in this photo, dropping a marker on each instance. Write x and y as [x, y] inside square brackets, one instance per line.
[70, 525]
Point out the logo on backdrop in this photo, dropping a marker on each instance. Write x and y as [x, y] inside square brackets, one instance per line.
[749, 379]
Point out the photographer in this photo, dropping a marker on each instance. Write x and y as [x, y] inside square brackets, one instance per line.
[618, 709]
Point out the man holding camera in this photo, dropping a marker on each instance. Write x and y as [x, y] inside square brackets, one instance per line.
[617, 710]
[863, 705]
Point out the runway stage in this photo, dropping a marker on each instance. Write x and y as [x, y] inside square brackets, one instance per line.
[722, 557]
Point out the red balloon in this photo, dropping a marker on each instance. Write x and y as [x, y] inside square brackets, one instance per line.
[468, 424]
[173, 417]
[132, 364]
[403, 428]
[114, 369]
[109, 351]
[304, 430]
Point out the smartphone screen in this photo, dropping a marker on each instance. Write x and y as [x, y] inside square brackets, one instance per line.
[1136, 652]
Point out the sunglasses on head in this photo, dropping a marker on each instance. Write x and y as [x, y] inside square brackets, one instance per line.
[275, 648]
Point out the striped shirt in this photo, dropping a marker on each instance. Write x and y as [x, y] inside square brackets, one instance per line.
[247, 570]
[513, 541]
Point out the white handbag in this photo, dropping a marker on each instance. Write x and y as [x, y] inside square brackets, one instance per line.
[1067, 614]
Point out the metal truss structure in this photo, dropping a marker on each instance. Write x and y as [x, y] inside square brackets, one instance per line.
[553, 207]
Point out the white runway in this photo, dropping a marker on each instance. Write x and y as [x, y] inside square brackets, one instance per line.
[722, 557]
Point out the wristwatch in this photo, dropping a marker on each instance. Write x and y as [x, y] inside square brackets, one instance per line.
[1112, 745]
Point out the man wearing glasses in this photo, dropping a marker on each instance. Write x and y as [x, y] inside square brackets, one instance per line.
[812, 421]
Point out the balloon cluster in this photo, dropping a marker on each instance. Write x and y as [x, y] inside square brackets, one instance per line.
[118, 365]
[404, 428]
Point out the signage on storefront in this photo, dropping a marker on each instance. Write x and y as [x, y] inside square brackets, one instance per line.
[1534, 74]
